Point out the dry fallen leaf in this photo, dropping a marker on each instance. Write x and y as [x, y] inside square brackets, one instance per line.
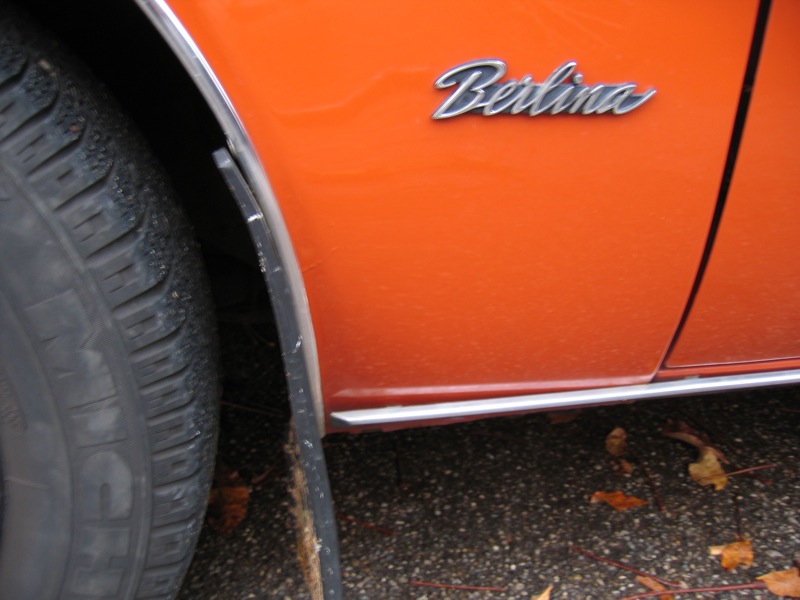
[618, 500]
[678, 430]
[545, 595]
[707, 470]
[625, 466]
[228, 500]
[227, 508]
[617, 446]
[616, 443]
[783, 583]
[736, 554]
[654, 586]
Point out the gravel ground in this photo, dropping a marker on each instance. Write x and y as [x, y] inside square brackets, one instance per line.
[501, 503]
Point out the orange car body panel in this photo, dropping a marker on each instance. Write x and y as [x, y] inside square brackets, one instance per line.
[484, 256]
[747, 307]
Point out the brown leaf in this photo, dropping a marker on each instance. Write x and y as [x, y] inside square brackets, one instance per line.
[545, 595]
[618, 500]
[228, 500]
[783, 583]
[707, 470]
[736, 554]
[652, 585]
[678, 430]
[227, 508]
[625, 466]
[616, 443]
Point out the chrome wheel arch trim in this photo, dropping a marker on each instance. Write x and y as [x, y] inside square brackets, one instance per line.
[398, 416]
[270, 217]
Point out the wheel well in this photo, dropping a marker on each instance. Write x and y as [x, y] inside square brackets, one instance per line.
[126, 53]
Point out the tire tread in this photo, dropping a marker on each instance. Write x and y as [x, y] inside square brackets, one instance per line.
[64, 138]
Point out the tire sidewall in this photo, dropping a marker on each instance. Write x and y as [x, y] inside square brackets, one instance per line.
[108, 385]
[74, 444]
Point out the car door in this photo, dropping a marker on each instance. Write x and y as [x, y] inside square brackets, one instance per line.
[746, 310]
[484, 255]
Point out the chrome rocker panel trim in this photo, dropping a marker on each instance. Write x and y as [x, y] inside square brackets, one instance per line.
[270, 216]
[431, 413]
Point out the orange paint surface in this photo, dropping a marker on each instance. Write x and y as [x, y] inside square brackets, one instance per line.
[747, 307]
[483, 256]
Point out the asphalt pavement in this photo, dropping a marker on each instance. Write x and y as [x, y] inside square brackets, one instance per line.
[502, 504]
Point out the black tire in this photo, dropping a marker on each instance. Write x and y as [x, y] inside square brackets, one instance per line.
[107, 352]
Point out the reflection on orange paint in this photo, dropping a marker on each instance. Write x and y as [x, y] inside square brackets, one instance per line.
[458, 257]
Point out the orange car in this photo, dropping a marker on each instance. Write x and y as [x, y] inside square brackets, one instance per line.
[461, 210]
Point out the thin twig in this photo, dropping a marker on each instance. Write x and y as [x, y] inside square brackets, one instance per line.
[268, 473]
[739, 472]
[451, 586]
[756, 585]
[365, 525]
[743, 471]
[652, 483]
[261, 411]
[625, 567]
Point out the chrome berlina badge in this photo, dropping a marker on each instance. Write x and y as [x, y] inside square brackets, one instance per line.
[479, 90]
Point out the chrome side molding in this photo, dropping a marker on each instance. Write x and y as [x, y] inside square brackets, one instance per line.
[397, 416]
